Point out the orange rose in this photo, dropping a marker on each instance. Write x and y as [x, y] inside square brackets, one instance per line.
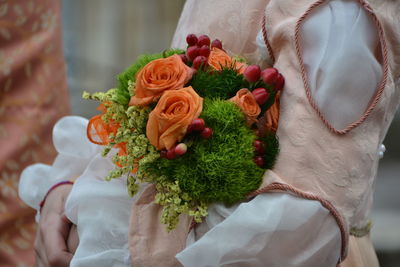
[158, 76]
[218, 59]
[174, 112]
[245, 100]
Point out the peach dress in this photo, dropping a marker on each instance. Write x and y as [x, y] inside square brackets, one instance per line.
[33, 96]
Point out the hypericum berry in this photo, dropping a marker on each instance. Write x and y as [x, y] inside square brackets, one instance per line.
[171, 154]
[163, 153]
[191, 39]
[199, 62]
[198, 124]
[259, 161]
[216, 43]
[184, 58]
[180, 149]
[261, 95]
[269, 75]
[206, 133]
[203, 40]
[280, 82]
[204, 51]
[252, 73]
[192, 52]
[259, 147]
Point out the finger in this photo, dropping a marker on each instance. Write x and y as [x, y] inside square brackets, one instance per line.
[40, 251]
[54, 234]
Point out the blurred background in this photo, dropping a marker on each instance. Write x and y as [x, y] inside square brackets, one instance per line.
[103, 37]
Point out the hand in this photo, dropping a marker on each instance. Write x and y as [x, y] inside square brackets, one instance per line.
[54, 227]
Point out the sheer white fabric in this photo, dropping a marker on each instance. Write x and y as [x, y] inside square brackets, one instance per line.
[339, 41]
[74, 153]
[262, 47]
[274, 229]
[101, 210]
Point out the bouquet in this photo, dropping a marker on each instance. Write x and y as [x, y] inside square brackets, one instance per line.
[198, 124]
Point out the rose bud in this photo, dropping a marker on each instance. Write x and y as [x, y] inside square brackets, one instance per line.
[203, 40]
[269, 75]
[261, 95]
[252, 73]
[199, 62]
[280, 82]
[198, 124]
[216, 43]
[171, 154]
[259, 147]
[259, 161]
[204, 51]
[163, 153]
[206, 133]
[184, 58]
[192, 52]
[191, 39]
[180, 149]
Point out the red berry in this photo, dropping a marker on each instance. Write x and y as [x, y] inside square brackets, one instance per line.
[269, 75]
[199, 62]
[280, 82]
[261, 95]
[180, 149]
[189, 128]
[191, 39]
[206, 133]
[252, 73]
[198, 124]
[259, 147]
[184, 58]
[203, 40]
[259, 161]
[204, 51]
[216, 43]
[171, 154]
[192, 52]
[163, 153]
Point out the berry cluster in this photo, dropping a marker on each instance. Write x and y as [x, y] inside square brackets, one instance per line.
[198, 50]
[197, 125]
[269, 76]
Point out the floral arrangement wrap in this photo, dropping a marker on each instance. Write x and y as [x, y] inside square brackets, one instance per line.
[198, 124]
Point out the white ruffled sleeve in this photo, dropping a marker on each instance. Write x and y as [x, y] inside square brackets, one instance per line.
[274, 229]
[74, 153]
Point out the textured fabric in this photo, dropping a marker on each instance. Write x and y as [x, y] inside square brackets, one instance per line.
[339, 168]
[361, 253]
[33, 96]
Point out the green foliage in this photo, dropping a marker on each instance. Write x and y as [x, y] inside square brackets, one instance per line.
[219, 169]
[122, 95]
[224, 84]
[218, 84]
[271, 144]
